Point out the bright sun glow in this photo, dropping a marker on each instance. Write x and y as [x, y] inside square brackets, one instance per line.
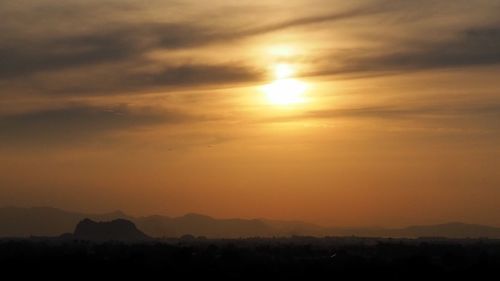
[285, 90]
[281, 51]
[283, 70]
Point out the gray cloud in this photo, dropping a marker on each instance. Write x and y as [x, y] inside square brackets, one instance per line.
[365, 10]
[73, 122]
[199, 74]
[411, 111]
[119, 48]
[130, 42]
[471, 47]
[123, 79]
[479, 114]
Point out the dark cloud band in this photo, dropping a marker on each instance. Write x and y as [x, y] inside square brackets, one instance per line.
[75, 122]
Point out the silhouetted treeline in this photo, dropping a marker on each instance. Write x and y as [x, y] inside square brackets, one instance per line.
[251, 259]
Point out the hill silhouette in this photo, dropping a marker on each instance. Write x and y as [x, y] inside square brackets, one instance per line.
[201, 225]
[115, 230]
[44, 221]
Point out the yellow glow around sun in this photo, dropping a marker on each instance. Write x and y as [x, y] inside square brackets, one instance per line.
[283, 51]
[285, 90]
[283, 70]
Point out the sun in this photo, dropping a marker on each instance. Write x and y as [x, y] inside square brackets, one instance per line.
[283, 70]
[285, 90]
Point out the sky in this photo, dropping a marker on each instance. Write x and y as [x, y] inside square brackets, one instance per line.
[341, 113]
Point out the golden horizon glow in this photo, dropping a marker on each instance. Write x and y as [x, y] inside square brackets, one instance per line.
[211, 106]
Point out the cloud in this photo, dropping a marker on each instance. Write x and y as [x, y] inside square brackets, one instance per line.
[365, 10]
[470, 47]
[118, 50]
[63, 62]
[199, 74]
[410, 111]
[480, 114]
[122, 80]
[74, 122]
[131, 42]
[128, 43]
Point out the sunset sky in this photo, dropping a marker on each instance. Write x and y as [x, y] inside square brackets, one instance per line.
[341, 113]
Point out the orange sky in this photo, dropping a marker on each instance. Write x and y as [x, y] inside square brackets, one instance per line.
[332, 112]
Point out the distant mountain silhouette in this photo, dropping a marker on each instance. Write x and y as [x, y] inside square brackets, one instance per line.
[447, 230]
[200, 225]
[452, 230]
[115, 230]
[289, 228]
[43, 221]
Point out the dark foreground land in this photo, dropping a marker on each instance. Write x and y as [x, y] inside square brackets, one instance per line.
[254, 259]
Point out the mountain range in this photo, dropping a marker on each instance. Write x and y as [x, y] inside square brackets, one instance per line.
[46, 221]
[115, 230]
